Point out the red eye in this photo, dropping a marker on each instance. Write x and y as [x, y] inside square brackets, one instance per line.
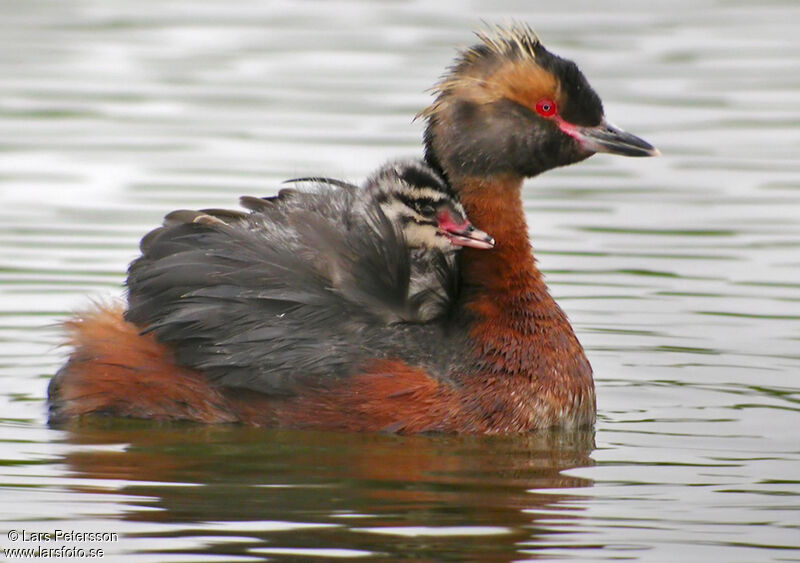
[546, 108]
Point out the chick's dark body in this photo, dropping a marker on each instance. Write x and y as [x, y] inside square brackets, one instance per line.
[303, 288]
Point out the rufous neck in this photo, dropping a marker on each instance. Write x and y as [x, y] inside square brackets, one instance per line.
[494, 205]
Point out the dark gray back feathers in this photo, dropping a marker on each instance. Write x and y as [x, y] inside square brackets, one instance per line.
[306, 286]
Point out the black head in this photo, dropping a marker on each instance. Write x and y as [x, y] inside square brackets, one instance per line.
[510, 106]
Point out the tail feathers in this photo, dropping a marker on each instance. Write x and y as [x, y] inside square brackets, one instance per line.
[114, 370]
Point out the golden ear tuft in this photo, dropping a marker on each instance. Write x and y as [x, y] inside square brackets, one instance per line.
[515, 41]
[506, 40]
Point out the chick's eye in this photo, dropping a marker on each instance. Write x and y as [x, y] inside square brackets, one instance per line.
[427, 210]
[546, 107]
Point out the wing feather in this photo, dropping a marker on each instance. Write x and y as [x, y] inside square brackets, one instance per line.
[297, 291]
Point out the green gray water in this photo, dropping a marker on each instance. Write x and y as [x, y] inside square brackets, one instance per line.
[681, 276]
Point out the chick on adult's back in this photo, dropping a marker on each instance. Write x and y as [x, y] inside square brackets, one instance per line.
[291, 291]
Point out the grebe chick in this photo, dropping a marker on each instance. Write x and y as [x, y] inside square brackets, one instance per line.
[411, 194]
[427, 219]
[434, 225]
[348, 258]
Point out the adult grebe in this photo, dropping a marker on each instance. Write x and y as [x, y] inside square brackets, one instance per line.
[503, 359]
